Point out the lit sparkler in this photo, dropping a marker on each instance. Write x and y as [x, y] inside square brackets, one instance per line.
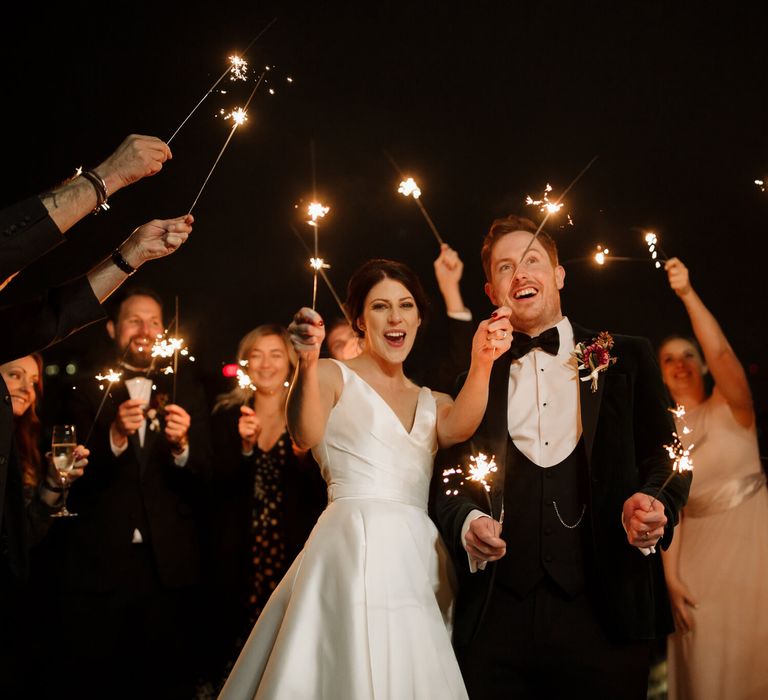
[657, 254]
[479, 471]
[548, 214]
[760, 184]
[316, 211]
[239, 117]
[680, 456]
[409, 188]
[111, 377]
[600, 255]
[237, 66]
[544, 204]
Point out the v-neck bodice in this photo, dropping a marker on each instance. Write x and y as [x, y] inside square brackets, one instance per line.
[366, 451]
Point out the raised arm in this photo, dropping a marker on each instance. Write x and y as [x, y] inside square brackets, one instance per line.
[457, 420]
[135, 158]
[727, 371]
[155, 239]
[317, 384]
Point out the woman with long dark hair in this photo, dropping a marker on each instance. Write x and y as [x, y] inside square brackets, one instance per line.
[364, 611]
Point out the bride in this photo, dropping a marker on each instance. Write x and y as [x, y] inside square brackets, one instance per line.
[364, 610]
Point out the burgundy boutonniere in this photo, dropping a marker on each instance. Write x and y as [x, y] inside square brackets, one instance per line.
[156, 410]
[595, 357]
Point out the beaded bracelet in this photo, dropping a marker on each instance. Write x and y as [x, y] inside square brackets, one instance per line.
[122, 263]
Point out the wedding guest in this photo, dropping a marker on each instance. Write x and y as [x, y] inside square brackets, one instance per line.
[43, 496]
[717, 565]
[265, 495]
[573, 605]
[130, 566]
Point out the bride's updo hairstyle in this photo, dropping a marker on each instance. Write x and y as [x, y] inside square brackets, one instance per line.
[371, 273]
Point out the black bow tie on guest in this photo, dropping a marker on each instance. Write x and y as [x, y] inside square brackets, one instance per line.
[522, 344]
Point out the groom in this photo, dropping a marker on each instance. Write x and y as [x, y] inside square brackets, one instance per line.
[561, 591]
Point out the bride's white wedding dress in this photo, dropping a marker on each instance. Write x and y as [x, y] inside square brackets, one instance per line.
[363, 612]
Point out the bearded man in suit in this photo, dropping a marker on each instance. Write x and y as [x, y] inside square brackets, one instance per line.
[561, 591]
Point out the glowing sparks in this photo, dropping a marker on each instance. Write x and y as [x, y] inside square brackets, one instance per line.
[239, 68]
[238, 116]
[600, 255]
[544, 204]
[481, 468]
[680, 455]
[244, 380]
[316, 211]
[479, 471]
[652, 241]
[760, 184]
[167, 346]
[409, 188]
[679, 413]
[109, 376]
[318, 264]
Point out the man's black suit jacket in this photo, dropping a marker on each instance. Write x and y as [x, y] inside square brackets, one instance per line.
[625, 425]
[142, 488]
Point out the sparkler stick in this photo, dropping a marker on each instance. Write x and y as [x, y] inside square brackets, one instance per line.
[236, 64]
[175, 352]
[111, 377]
[238, 117]
[321, 270]
[409, 188]
[551, 208]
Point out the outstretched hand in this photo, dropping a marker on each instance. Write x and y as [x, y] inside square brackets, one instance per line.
[677, 273]
[135, 158]
[156, 239]
[493, 336]
[307, 332]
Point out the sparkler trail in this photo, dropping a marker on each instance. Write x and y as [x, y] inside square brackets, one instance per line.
[549, 212]
[324, 276]
[409, 188]
[654, 249]
[238, 117]
[235, 63]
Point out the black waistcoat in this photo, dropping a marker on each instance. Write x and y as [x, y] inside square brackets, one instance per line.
[539, 504]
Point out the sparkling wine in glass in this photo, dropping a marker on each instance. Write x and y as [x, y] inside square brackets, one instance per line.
[63, 446]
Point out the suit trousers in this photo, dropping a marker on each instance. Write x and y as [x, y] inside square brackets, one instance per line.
[548, 645]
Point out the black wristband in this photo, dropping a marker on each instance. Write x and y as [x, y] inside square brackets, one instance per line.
[101, 189]
[121, 262]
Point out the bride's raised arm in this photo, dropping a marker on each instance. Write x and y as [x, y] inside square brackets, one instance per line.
[457, 420]
[317, 383]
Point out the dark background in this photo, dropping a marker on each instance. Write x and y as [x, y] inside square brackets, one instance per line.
[481, 102]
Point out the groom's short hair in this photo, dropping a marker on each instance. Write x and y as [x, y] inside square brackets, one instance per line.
[510, 224]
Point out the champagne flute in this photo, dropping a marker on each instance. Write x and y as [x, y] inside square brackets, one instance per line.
[63, 445]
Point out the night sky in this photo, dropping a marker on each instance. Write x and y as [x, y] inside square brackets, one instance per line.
[482, 105]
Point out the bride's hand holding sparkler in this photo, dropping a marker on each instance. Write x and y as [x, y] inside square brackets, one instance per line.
[493, 337]
[135, 158]
[644, 520]
[307, 332]
[156, 239]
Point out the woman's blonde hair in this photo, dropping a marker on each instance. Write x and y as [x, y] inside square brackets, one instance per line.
[239, 396]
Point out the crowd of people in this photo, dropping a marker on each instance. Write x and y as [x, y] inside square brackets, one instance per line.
[307, 533]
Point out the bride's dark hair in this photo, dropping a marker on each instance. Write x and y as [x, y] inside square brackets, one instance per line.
[370, 274]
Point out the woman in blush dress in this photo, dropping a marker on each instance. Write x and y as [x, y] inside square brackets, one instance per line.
[717, 565]
[364, 610]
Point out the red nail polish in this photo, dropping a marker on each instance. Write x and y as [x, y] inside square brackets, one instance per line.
[494, 314]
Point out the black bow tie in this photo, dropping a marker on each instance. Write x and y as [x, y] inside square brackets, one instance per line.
[131, 372]
[548, 341]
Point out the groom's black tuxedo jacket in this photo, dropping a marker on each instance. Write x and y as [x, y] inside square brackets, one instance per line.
[625, 425]
[142, 488]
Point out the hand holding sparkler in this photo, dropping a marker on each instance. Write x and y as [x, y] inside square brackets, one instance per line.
[678, 276]
[307, 332]
[449, 269]
[493, 337]
[136, 157]
[156, 239]
[177, 422]
[644, 520]
[249, 428]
